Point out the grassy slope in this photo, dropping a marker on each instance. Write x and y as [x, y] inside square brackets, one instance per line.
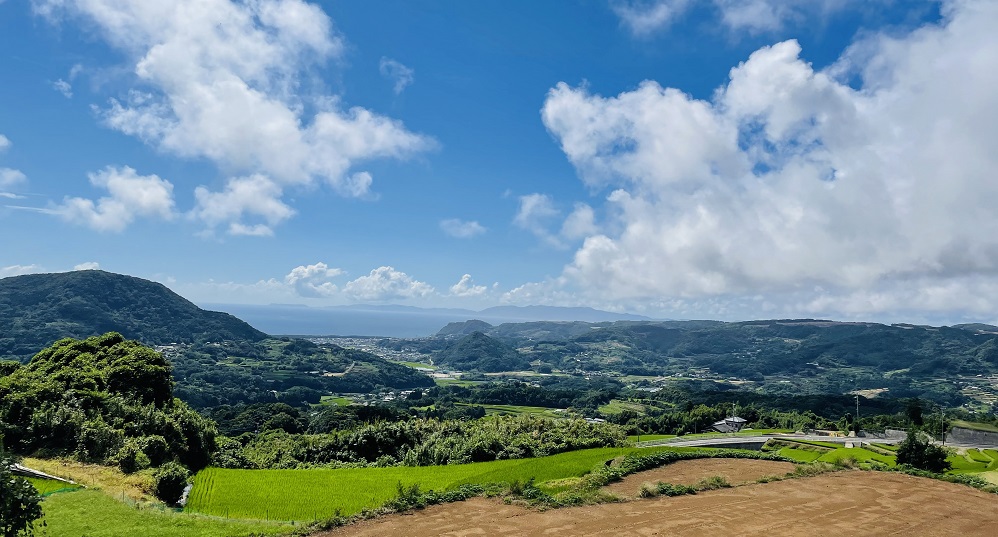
[93, 513]
[987, 427]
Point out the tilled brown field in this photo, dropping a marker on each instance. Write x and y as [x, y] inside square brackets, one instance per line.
[736, 471]
[844, 503]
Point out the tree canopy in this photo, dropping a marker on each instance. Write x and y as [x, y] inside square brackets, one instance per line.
[94, 399]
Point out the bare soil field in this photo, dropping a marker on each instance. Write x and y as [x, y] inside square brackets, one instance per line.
[854, 503]
[736, 471]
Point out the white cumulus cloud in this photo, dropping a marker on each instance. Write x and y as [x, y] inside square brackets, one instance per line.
[312, 281]
[227, 81]
[465, 287]
[130, 196]
[462, 229]
[10, 177]
[89, 265]
[386, 283]
[255, 196]
[791, 184]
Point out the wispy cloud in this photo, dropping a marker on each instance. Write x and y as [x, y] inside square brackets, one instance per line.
[399, 74]
[462, 229]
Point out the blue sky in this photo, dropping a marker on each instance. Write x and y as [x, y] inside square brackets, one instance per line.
[682, 159]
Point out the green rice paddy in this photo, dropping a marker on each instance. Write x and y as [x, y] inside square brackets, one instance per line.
[314, 494]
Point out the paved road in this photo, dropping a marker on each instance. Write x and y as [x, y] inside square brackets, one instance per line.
[725, 440]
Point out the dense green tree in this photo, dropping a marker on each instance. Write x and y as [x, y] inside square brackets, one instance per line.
[20, 503]
[89, 398]
[922, 454]
[170, 481]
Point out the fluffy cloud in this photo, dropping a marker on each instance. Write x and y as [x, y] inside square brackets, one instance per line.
[644, 17]
[130, 196]
[792, 183]
[9, 177]
[312, 281]
[393, 70]
[223, 80]
[461, 229]
[467, 288]
[89, 265]
[255, 196]
[386, 283]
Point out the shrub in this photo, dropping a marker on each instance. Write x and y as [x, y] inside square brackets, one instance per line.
[170, 481]
[919, 453]
[19, 502]
[130, 457]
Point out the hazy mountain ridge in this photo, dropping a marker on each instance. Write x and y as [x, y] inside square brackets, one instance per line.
[398, 321]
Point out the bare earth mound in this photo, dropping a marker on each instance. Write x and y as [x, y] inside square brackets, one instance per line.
[845, 503]
[736, 471]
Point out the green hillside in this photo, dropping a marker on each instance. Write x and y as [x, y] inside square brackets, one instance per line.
[480, 352]
[39, 309]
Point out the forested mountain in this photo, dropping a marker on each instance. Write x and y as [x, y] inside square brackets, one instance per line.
[480, 352]
[38, 309]
[782, 356]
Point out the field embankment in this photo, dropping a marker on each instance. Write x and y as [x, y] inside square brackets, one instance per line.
[852, 503]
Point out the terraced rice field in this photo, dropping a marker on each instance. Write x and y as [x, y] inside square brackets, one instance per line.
[305, 495]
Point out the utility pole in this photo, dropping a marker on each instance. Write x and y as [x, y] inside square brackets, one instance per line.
[942, 427]
[855, 422]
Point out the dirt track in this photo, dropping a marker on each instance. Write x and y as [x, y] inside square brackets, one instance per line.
[736, 471]
[846, 503]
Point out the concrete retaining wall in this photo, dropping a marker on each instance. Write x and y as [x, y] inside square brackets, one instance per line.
[971, 436]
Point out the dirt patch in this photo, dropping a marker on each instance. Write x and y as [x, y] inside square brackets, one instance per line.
[736, 471]
[855, 503]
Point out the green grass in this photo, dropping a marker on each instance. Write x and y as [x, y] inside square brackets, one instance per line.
[993, 454]
[888, 447]
[415, 365]
[975, 426]
[799, 455]
[315, 494]
[706, 436]
[831, 445]
[650, 437]
[457, 382]
[48, 486]
[977, 456]
[616, 406]
[964, 465]
[337, 401]
[860, 455]
[509, 410]
[93, 513]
